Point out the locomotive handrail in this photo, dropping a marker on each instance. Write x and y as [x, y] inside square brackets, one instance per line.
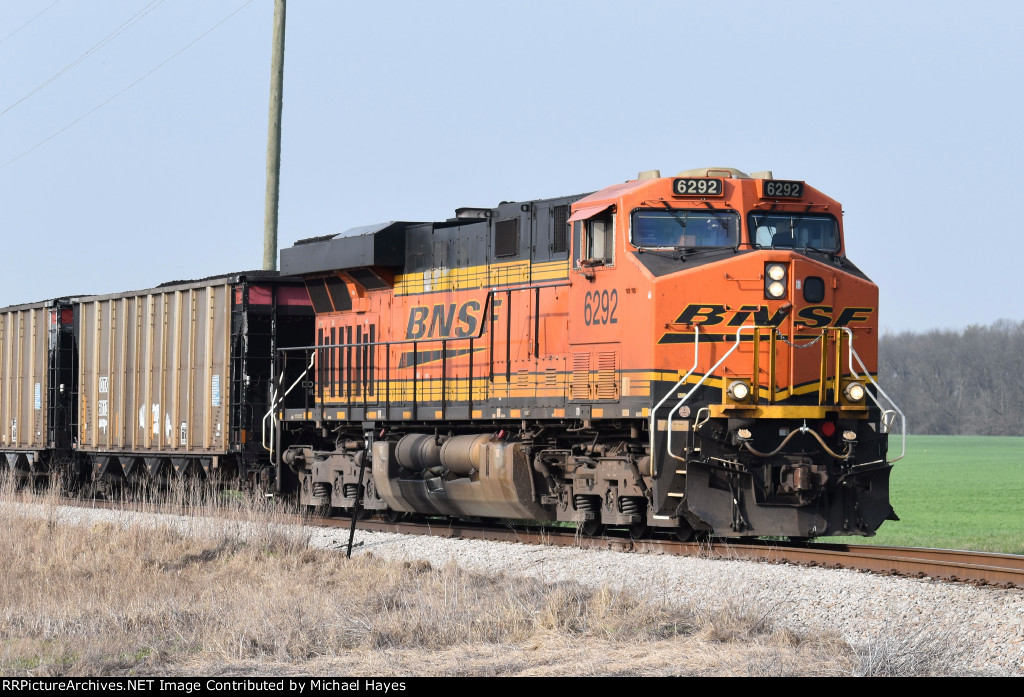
[487, 319]
[867, 374]
[490, 293]
[711, 371]
[852, 356]
[654, 412]
[274, 403]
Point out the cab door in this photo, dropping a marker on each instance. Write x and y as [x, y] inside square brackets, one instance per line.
[595, 316]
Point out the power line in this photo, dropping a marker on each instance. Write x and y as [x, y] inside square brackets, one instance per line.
[41, 13]
[128, 87]
[125, 26]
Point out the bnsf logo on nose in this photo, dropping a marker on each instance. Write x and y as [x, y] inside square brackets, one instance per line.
[811, 316]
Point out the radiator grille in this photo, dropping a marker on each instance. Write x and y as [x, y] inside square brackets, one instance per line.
[579, 388]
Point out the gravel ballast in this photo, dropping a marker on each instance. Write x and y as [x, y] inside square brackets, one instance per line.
[983, 626]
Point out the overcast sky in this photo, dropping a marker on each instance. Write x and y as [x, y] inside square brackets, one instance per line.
[133, 153]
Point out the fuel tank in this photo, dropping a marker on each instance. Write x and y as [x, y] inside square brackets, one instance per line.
[467, 476]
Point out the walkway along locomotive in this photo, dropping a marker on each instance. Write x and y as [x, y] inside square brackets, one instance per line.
[693, 353]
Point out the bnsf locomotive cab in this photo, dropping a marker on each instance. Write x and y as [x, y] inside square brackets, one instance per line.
[692, 353]
[752, 343]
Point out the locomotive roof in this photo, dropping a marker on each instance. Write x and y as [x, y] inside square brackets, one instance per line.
[615, 190]
[354, 232]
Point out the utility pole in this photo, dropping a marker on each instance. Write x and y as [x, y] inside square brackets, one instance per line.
[274, 141]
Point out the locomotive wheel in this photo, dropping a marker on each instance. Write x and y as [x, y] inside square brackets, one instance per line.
[684, 533]
[639, 531]
[590, 528]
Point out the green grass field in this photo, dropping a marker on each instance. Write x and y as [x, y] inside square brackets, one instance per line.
[956, 492]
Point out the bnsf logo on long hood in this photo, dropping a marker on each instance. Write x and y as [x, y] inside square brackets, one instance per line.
[459, 321]
[810, 316]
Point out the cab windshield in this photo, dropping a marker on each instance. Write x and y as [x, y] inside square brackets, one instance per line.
[795, 230]
[684, 229]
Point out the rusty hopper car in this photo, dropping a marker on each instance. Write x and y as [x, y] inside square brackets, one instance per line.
[174, 380]
[692, 353]
[37, 369]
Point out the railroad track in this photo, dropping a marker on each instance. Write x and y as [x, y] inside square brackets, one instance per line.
[979, 568]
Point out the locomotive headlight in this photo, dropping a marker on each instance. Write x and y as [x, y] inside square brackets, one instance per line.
[854, 392]
[775, 281]
[738, 391]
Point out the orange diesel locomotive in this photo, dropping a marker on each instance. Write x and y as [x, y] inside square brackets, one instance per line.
[692, 353]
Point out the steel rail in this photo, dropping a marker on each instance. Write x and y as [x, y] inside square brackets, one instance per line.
[945, 565]
[982, 568]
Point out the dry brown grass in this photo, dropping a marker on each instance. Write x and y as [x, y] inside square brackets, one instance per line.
[243, 597]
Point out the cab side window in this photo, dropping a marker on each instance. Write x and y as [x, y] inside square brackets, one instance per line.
[600, 239]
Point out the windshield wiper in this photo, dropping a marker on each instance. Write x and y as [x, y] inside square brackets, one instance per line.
[675, 214]
[703, 250]
[721, 221]
[832, 254]
[682, 224]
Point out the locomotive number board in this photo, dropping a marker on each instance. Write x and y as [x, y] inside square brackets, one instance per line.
[698, 187]
[777, 188]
